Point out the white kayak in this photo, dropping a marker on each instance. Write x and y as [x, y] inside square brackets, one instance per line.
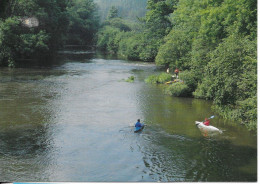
[209, 128]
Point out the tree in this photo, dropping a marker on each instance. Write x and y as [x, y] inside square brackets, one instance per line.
[21, 42]
[127, 9]
[113, 13]
[83, 22]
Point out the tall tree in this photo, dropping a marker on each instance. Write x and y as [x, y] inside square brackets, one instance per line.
[83, 22]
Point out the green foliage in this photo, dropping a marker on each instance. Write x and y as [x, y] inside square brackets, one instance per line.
[213, 42]
[158, 79]
[152, 79]
[143, 43]
[157, 26]
[17, 43]
[3, 8]
[190, 78]
[118, 23]
[216, 41]
[60, 21]
[127, 9]
[248, 110]
[108, 39]
[178, 89]
[224, 71]
[245, 112]
[113, 13]
[149, 48]
[83, 22]
[130, 79]
[131, 46]
[232, 77]
[175, 51]
[20, 42]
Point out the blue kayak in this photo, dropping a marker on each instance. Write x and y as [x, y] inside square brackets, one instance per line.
[139, 129]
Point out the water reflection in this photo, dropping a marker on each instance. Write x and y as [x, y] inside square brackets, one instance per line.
[178, 158]
[174, 149]
[26, 133]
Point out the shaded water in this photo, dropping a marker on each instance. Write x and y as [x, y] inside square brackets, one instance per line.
[74, 122]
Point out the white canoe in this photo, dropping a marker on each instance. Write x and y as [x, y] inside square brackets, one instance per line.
[209, 128]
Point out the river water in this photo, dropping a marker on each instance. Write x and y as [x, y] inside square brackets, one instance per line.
[73, 121]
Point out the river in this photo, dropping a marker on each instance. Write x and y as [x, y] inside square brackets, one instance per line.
[73, 122]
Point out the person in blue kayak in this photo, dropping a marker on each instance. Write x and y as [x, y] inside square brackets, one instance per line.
[138, 124]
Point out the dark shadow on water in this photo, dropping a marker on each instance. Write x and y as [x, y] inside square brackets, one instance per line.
[25, 141]
[77, 54]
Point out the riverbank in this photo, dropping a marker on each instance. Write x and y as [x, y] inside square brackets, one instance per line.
[187, 85]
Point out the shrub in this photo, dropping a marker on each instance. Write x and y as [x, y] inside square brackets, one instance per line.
[190, 79]
[178, 89]
[152, 79]
[248, 112]
[130, 79]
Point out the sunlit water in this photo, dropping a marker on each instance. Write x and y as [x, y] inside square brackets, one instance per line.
[74, 122]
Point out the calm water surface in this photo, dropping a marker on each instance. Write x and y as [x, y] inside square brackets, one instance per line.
[74, 122]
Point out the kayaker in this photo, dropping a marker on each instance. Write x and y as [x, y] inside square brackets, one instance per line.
[138, 124]
[176, 71]
[206, 122]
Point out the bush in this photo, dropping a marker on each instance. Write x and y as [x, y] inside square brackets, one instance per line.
[190, 79]
[178, 89]
[248, 112]
[244, 111]
[152, 79]
[130, 79]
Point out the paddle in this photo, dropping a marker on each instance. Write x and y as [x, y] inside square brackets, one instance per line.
[211, 117]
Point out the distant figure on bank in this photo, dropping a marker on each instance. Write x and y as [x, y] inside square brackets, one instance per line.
[176, 71]
[168, 70]
[206, 122]
[138, 124]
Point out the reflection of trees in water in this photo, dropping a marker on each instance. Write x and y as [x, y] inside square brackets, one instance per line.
[176, 158]
[169, 157]
[26, 140]
[219, 161]
[173, 114]
[76, 55]
[26, 153]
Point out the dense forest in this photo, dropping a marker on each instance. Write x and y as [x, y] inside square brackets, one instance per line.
[36, 29]
[127, 9]
[212, 42]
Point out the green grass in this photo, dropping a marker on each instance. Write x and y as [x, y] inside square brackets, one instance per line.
[158, 79]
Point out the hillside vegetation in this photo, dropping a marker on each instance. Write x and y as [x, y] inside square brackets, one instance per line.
[127, 9]
[212, 42]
